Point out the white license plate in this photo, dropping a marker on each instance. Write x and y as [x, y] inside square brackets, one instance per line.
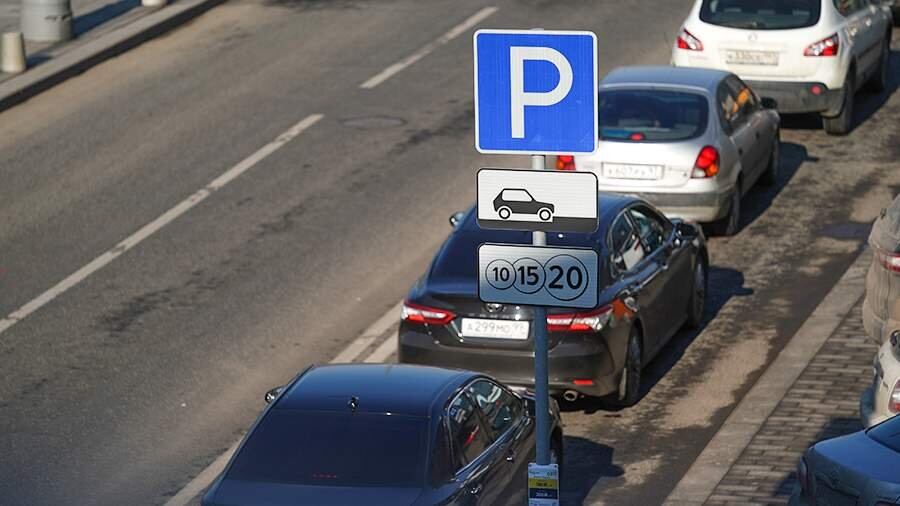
[742, 57]
[629, 171]
[499, 329]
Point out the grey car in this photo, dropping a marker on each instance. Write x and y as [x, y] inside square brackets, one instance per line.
[881, 308]
[690, 141]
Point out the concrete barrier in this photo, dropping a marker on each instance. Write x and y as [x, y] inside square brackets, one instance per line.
[47, 20]
[12, 53]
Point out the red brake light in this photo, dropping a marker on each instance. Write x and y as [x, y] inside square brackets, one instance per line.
[583, 382]
[894, 401]
[637, 136]
[424, 314]
[890, 261]
[592, 321]
[686, 40]
[707, 164]
[825, 47]
[565, 162]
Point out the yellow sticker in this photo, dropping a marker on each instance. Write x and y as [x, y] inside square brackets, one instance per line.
[543, 483]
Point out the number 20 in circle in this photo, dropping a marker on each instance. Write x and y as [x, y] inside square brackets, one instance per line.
[567, 277]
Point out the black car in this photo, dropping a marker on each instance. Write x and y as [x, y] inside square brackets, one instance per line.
[386, 434]
[653, 276]
[519, 201]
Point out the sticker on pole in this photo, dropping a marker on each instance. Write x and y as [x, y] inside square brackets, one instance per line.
[512, 199]
[537, 275]
[535, 91]
[543, 485]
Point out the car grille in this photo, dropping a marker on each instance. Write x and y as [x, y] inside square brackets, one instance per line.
[827, 496]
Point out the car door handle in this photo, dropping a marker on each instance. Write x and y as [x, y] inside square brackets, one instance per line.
[757, 135]
[740, 151]
[476, 489]
[511, 456]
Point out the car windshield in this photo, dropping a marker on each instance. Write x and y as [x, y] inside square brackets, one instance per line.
[761, 14]
[887, 433]
[334, 449]
[639, 115]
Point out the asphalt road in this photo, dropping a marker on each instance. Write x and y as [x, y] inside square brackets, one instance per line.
[126, 385]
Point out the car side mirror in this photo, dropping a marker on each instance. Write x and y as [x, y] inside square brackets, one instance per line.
[456, 218]
[530, 407]
[686, 231]
[272, 394]
[768, 103]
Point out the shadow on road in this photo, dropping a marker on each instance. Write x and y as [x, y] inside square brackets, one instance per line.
[97, 17]
[724, 283]
[586, 462]
[759, 198]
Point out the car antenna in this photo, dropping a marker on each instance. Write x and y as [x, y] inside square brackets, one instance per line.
[353, 404]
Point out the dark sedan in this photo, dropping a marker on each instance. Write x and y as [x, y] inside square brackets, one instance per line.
[653, 276]
[859, 469]
[386, 434]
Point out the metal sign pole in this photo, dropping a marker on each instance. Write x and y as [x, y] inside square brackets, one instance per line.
[541, 349]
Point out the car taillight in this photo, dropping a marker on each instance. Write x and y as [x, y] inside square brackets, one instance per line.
[825, 47]
[424, 314]
[890, 261]
[686, 40]
[803, 474]
[592, 321]
[894, 401]
[707, 164]
[565, 162]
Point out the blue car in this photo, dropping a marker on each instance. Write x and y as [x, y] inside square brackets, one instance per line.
[386, 434]
[860, 469]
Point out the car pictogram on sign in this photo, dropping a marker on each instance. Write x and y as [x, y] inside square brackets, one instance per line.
[519, 201]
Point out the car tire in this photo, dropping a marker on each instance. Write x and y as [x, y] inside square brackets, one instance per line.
[697, 303]
[630, 384]
[840, 124]
[770, 176]
[545, 212]
[504, 213]
[879, 80]
[730, 224]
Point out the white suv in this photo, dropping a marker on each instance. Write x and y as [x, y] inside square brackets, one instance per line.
[806, 55]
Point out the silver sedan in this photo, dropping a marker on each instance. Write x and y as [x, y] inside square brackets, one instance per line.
[690, 141]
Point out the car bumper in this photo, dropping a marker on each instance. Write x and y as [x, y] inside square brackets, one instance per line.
[797, 97]
[575, 357]
[876, 327]
[702, 207]
[868, 415]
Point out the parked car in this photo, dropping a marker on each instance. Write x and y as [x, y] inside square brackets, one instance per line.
[386, 434]
[881, 307]
[882, 400]
[858, 469]
[807, 55]
[690, 141]
[653, 276]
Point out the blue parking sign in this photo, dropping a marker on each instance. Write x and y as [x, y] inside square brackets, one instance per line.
[535, 92]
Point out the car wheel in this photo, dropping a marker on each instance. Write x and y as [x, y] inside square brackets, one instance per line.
[728, 225]
[504, 212]
[544, 214]
[770, 176]
[879, 80]
[840, 124]
[698, 296]
[630, 384]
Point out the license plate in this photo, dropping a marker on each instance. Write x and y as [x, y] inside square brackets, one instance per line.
[498, 329]
[742, 57]
[629, 171]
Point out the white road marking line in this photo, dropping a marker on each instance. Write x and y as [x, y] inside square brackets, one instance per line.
[352, 351]
[384, 351]
[744, 422]
[369, 335]
[454, 32]
[152, 227]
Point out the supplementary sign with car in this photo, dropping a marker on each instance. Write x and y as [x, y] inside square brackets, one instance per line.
[513, 199]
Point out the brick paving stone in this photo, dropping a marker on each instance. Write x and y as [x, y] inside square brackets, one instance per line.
[823, 403]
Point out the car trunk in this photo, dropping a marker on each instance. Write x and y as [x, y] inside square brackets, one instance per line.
[883, 283]
[637, 161]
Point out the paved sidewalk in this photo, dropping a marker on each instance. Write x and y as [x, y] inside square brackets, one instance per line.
[823, 403]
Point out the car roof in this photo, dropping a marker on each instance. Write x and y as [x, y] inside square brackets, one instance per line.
[379, 388]
[707, 79]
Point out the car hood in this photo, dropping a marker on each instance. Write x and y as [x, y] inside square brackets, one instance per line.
[250, 493]
[856, 459]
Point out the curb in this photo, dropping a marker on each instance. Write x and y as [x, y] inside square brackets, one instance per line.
[20, 88]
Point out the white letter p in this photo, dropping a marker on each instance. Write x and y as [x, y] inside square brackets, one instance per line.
[519, 98]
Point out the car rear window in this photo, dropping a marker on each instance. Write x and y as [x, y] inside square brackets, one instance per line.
[639, 115]
[887, 433]
[334, 449]
[761, 14]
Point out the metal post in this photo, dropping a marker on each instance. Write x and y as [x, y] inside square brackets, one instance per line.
[541, 347]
